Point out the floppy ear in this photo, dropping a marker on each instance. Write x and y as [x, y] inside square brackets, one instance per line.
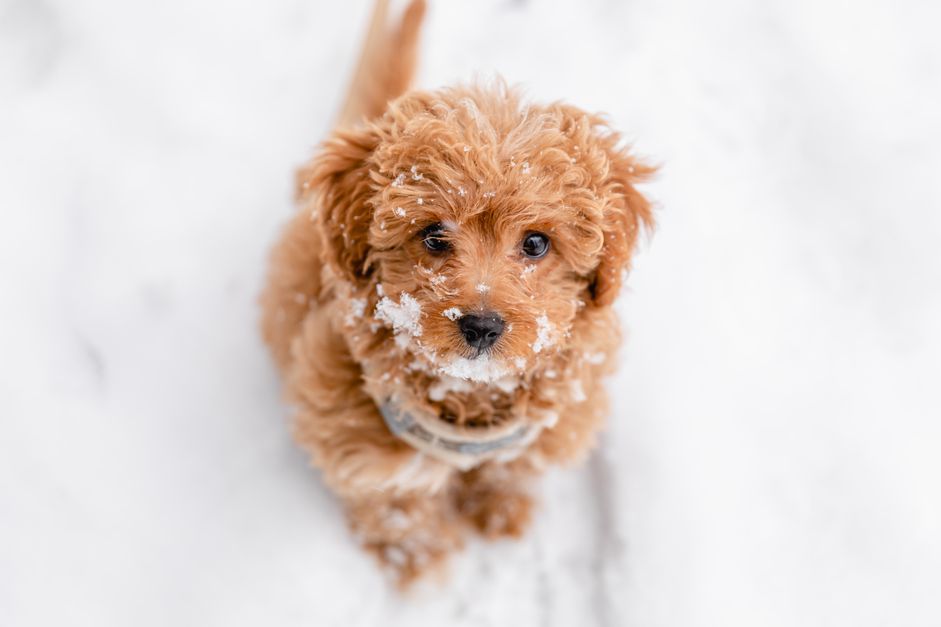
[626, 213]
[337, 187]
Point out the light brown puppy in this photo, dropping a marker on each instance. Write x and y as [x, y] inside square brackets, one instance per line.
[440, 306]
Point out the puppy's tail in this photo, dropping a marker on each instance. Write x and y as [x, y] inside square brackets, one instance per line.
[386, 64]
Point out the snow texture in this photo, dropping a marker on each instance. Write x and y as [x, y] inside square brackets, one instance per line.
[771, 457]
[451, 313]
[445, 385]
[357, 309]
[482, 369]
[404, 316]
[543, 334]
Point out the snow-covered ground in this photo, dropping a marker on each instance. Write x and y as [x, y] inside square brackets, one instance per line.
[774, 457]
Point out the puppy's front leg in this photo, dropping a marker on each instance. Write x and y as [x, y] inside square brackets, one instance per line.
[410, 534]
[396, 497]
[494, 498]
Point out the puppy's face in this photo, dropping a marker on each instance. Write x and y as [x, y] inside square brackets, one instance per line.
[485, 226]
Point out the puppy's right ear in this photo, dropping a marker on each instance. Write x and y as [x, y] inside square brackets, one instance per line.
[337, 188]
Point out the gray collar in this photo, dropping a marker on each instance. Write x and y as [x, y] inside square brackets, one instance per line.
[462, 451]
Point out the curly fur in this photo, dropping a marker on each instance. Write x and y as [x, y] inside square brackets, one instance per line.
[492, 168]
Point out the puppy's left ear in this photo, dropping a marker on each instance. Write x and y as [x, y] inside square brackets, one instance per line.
[337, 187]
[626, 214]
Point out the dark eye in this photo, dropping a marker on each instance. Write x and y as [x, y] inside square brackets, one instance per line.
[535, 245]
[433, 237]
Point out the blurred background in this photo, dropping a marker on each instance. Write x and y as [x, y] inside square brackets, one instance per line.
[774, 451]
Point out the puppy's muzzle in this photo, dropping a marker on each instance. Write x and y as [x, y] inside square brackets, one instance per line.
[481, 331]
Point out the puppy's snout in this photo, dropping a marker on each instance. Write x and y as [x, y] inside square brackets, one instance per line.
[481, 330]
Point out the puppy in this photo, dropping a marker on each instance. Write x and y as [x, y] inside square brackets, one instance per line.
[440, 307]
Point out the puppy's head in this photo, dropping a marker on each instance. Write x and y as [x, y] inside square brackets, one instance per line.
[486, 226]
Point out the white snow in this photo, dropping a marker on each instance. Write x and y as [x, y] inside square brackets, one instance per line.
[483, 369]
[578, 391]
[445, 385]
[399, 211]
[506, 384]
[550, 419]
[594, 358]
[397, 519]
[482, 288]
[357, 309]
[544, 330]
[399, 180]
[404, 316]
[451, 313]
[771, 455]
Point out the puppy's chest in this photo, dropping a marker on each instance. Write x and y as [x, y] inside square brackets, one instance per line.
[483, 407]
[456, 402]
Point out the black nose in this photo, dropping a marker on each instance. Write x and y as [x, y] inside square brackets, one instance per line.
[481, 330]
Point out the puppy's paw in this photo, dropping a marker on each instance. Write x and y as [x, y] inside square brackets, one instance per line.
[412, 558]
[497, 514]
[410, 536]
